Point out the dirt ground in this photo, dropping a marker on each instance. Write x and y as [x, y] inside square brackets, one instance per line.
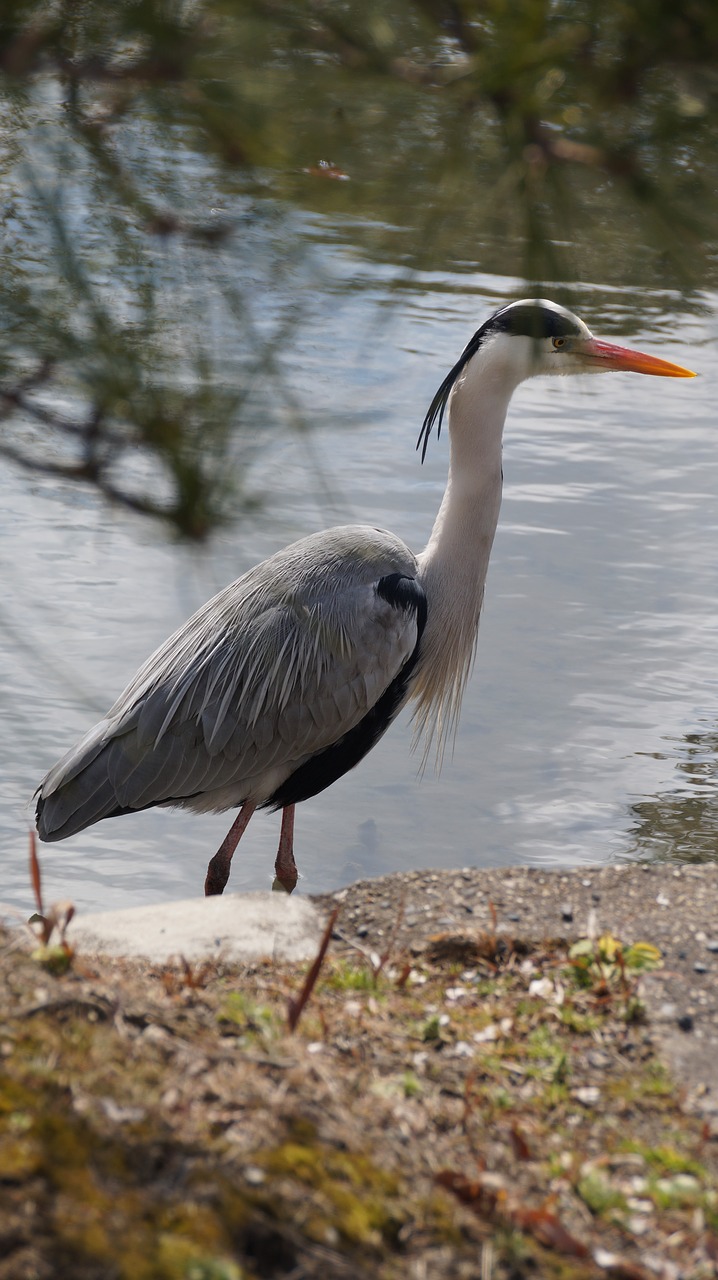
[480, 1079]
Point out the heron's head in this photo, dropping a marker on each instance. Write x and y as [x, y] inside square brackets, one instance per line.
[536, 336]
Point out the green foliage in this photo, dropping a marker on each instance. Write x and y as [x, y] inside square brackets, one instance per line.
[606, 960]
[55, 959]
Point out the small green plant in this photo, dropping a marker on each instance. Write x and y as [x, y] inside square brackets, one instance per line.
[246, 1014]
[431, 1029]
[606, 958]
[606, 968]
[351, 977]
[411, 1084]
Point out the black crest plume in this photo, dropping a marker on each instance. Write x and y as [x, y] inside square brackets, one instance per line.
[438, 405]
[530, 318]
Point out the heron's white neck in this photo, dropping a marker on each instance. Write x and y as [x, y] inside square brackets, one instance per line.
[453, 565]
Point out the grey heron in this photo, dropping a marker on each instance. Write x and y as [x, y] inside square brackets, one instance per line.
[287, 678]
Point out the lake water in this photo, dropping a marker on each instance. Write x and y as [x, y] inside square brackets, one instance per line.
[589, 728]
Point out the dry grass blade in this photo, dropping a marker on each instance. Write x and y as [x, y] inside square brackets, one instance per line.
[36, 879]
[35, 875]
[398, 921]
[295, 1008]
[43, 924]
[499, 1207]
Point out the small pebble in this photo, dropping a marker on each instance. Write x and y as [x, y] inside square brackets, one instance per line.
[461, 1050]
[685, 1022]
[595, 897]
[699, 967]
[637, 1224]
[362, 930]
[681, 955]
[514, 916]
[587, 1096]
[712, 945]
[567, 912]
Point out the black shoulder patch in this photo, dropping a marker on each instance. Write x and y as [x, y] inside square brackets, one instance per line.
[404, 593]
[441, 399]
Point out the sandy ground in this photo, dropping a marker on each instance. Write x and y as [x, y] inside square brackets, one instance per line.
[674, 907]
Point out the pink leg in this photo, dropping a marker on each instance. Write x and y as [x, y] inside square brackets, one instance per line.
[285, 868]
[219, 867]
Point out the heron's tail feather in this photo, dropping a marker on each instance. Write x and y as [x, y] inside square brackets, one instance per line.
[107, 775]
[76, 804]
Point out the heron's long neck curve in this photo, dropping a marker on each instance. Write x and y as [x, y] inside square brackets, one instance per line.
[453, 565]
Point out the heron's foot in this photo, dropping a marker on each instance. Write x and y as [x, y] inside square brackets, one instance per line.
[217, 874]
[278, 886]
[285, 868]
[221, 864]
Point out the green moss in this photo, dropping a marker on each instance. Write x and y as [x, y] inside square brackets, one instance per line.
[678, 1191]
[485, 988]
[583, 1024]
[657, 1082]
[112, 1210]
[665, 1159]
[554, 1095]
[351, 977]
[650, 1087]
[354, 1198]
[411, 1085]
[240, 1011]
[603, 1199]
[176, 1256]
[19, 1158]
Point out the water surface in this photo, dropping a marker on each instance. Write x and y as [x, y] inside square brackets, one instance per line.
[589, 727]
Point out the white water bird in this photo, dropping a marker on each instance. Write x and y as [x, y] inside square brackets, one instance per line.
[289, 676]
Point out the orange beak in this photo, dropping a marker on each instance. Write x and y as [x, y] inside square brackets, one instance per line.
[610, 356]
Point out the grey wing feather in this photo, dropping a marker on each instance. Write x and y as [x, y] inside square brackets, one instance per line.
[274, 669]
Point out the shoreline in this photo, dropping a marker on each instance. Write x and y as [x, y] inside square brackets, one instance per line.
[447, 1095]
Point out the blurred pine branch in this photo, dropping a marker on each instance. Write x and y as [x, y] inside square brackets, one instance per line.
[154, 156]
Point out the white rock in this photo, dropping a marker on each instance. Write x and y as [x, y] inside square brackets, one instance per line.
[236, 926]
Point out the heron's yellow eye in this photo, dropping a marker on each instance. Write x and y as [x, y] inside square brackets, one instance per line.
[558, 343]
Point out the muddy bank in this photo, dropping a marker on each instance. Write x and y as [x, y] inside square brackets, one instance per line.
[466, 1093]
